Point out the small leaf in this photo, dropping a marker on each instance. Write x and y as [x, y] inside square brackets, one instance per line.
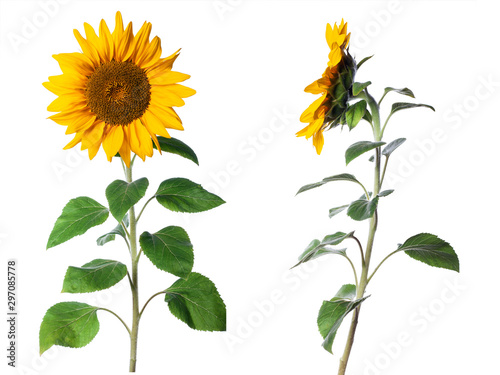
[337, 210]
[368, 116]
[175, 146]
[96, 275]
[316, 248]
[333, 312]
[78, 216]
[431, 250]
[355, 113]
[338, 177]
[110, 236]
[400, 106]
[360, 148]
[363, 61]
[392, 146]
[122, 196]
[385, 193]
[170, 250]
[197, 303]
[362, 209]
[406, 91]
[183, 195]
[70, 324]
[357, 87]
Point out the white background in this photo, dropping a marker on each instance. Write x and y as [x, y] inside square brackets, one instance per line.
[249, 62]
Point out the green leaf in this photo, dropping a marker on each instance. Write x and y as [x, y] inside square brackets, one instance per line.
[122, 196]
[78, 216]
[183, 195]
[197, 303]
[406, 91]
[392, 146]
[385, 193]
[355, 113]
[110, 236]
[170, 250]
[362, 209]
[431, 250]
[360, 148]
[400, 106]
[357, 87]
[363, 61]
[96, 275]
[368, 116]
[318, 248]
[337, 210]
[333, 312]
[338, 177]
[70, 324]
[175, 146]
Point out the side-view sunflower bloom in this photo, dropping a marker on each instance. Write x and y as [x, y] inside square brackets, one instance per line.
[334, 86]
[117, 92]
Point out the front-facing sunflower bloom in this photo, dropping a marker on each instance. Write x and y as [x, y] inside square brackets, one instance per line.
[334, 86]
[118, 92]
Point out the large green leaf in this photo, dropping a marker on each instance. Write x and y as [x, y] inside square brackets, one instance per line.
[78, 216]
[175, 146]
[183, 195]
[70, 324]
[110, 236]
[333, 312]
[197, 303]
[355, 113]
[359, 148]
[338, 177]
[362, 209]
[170, 250]
[431, 250]
[400, 106]
[357, 87]
[122, 195]
[96, 275]
[389, 149]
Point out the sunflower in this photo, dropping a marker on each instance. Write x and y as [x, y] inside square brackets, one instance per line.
[334, 86]
[118, 92]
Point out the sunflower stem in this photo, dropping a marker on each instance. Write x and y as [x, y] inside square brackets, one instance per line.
[363, 281]
[134, 284]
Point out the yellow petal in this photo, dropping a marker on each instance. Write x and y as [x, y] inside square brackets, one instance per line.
[106, 41]
[87, 49]
[308, 114]
[81, 124]
[318, 141]
[118, 31]
[162, 66]
[141, 41]
[125, 149]
[74, 63]
[167, 116]
[165, 97]
[151, 54]
[335, 55]
[169, 78]
[68, 102]
[112, 141]
[181, 90]
[93, 135]
[314, 88]
[65, 118]
[77, 139]
[127, 44]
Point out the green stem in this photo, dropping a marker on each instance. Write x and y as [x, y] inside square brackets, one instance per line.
[134, 280]
[149, 300]
[363, 281]
[145, 204]
[120, 319]
[353, 270]
[383, 260]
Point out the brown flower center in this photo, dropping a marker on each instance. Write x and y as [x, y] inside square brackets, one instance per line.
[118, 92]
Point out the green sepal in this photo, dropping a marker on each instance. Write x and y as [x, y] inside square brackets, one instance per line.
[355, 113]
